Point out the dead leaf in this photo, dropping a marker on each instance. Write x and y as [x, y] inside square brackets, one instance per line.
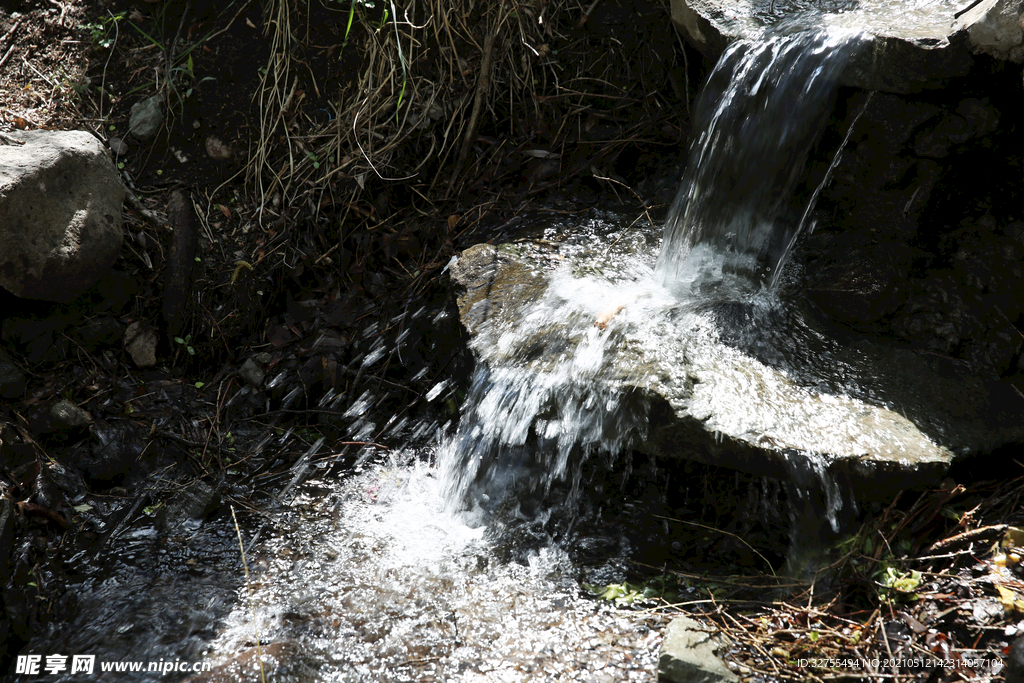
[605, 317]
[1009, 599]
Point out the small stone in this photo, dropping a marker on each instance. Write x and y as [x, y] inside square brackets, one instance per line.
[118, 146]
[64, 415]
[252, 373]
[688, 654]
[193, 504]
[217, 149]
[146, 118]
[140, 342]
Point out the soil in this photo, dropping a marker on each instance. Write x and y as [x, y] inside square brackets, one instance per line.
[318, 286]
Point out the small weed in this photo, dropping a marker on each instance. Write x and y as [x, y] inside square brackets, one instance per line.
[186, 344]
[103, 31]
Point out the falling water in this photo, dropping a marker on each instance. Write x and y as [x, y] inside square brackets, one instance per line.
[761, 112]
[545, 403]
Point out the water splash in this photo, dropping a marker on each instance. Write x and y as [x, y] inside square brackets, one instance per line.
[757, 119]
[373, 580]
[547, 402]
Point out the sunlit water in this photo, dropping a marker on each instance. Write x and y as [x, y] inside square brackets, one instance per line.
[395, 587]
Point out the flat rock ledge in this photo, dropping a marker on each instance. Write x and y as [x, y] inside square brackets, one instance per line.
[877, 417]
[909, 50]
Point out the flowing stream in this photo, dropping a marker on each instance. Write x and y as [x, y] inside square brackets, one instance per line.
[460, 562]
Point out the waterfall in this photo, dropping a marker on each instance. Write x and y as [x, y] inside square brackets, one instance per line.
[758, 117]
[555, 396]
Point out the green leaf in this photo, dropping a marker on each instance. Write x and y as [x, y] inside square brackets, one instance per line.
[200, 385]
[84, 507]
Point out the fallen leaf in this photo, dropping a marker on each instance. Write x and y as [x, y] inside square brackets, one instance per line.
[605, 317]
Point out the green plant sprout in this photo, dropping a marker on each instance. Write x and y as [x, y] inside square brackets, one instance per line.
[186, 343]
[100, 30]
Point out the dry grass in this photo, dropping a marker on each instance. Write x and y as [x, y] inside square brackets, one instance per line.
[430, 73]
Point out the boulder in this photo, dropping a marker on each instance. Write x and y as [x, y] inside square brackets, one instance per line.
[922, 50]
[761, 387]
[60, 214]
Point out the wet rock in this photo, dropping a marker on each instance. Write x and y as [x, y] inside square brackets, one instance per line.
[688, 654]
[191, 505]
[944, 315]
[920, 51]
[12, 377]
[731, 384]
[60, 199]
[146, 118]
[993, 27]
[483, 295]
[252, 372]
[63, 416]
[858, 284]
[140, 342]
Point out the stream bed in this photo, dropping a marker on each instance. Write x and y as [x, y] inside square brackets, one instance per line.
[367, 578]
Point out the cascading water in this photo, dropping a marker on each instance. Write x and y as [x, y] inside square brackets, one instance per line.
[547, 401]
[759, 115]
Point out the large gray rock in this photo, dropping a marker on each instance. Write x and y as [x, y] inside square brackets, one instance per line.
[908, 51]
[60, 214]
[758, 388]
[688, 654]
